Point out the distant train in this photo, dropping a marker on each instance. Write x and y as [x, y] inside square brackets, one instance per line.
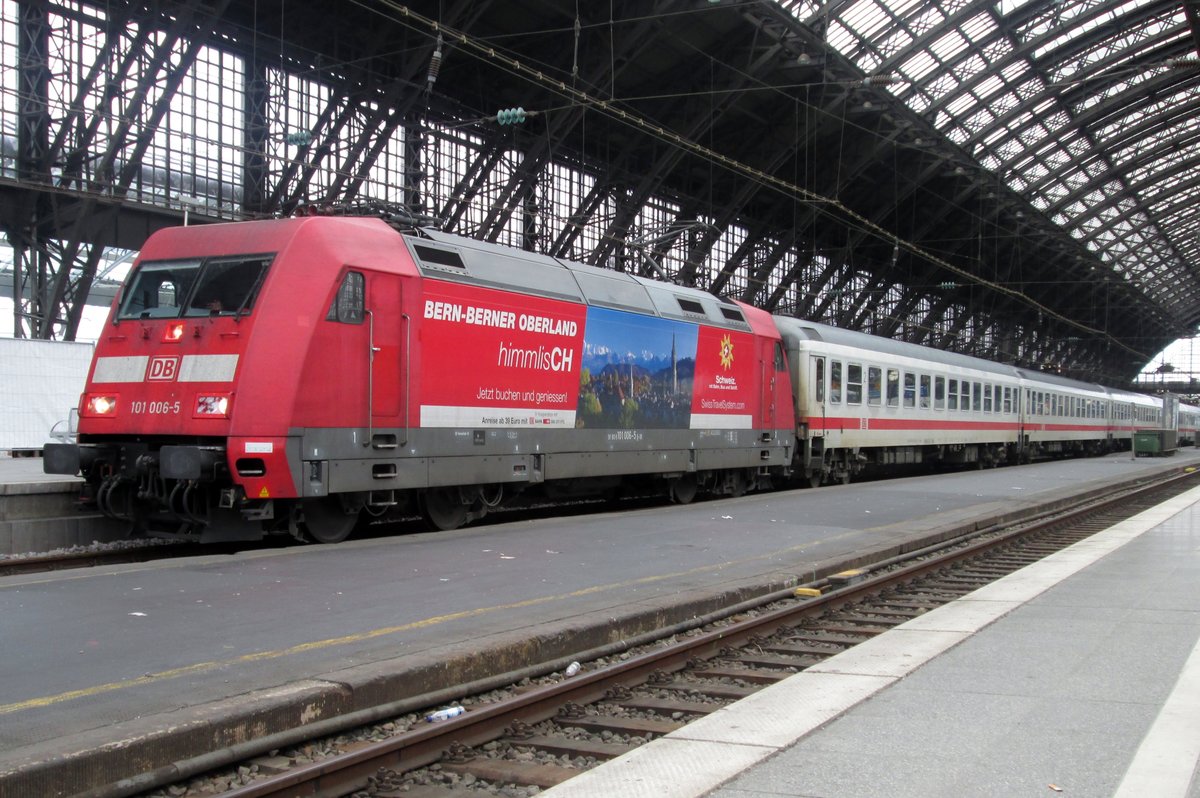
[296, 376]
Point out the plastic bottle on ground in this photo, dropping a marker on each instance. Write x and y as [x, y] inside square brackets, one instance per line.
[444, 714]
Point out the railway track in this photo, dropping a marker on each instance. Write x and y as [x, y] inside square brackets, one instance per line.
[535, 735]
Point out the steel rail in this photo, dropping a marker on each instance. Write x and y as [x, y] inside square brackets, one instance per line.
[342, 774]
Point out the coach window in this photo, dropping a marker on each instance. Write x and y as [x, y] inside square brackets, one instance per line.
[977, 397]
[987, 398]
[893, 388]
[874, 385]
[964, 400]
[349, 303]
[1008, 400]
[952, 395]
[910, 390]
[835, 382]
[939, 393]
[854, 386]
[818, 372]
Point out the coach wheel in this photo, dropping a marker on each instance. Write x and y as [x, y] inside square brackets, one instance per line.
[683, 490]
[443, 508]
[815, 479]
[325, 520]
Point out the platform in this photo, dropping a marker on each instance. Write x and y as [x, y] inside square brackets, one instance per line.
[39, 512]
[174, 663]
[1078, 675]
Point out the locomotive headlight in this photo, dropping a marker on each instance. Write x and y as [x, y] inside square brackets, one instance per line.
[100, 405]
[173, 332]
[212, 405]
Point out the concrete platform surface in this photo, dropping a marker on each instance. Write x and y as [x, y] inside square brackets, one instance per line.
[1078, 675]
[163, 661]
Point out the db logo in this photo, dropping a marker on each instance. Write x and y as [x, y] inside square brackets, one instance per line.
[163, 368]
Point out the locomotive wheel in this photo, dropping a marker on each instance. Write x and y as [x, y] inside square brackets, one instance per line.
[683, 490]
[326, 522]
[443, 508]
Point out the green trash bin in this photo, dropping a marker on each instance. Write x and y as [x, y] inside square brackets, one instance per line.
[1147, 441]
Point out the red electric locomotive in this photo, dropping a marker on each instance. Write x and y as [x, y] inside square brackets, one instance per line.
[296, 375]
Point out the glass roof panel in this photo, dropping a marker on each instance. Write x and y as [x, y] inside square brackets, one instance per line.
[948, 45]
[918, 66]
[866, 19]
[1071, 102]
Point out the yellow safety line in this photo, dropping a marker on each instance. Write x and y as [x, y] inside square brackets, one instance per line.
[200, 667]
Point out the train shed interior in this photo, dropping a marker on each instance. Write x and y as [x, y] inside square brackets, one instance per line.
[1012, 180]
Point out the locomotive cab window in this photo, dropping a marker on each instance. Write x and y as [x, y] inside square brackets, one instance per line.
[158, 289]
[349, 305]
[196, 287]
[227, 286]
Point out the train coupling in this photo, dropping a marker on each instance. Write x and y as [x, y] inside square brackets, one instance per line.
[190, 462]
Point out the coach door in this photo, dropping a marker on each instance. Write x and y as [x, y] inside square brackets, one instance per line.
[815, 393]
[1022, 399]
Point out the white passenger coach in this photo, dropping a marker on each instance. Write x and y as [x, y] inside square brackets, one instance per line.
[863, 401]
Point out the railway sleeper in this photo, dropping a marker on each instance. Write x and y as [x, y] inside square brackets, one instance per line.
[669, 707]
[561, 745]
[797, 649]
[710, 689]
[619, 725]
[747, 675]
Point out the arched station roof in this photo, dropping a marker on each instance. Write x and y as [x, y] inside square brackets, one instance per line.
[1010, 180]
